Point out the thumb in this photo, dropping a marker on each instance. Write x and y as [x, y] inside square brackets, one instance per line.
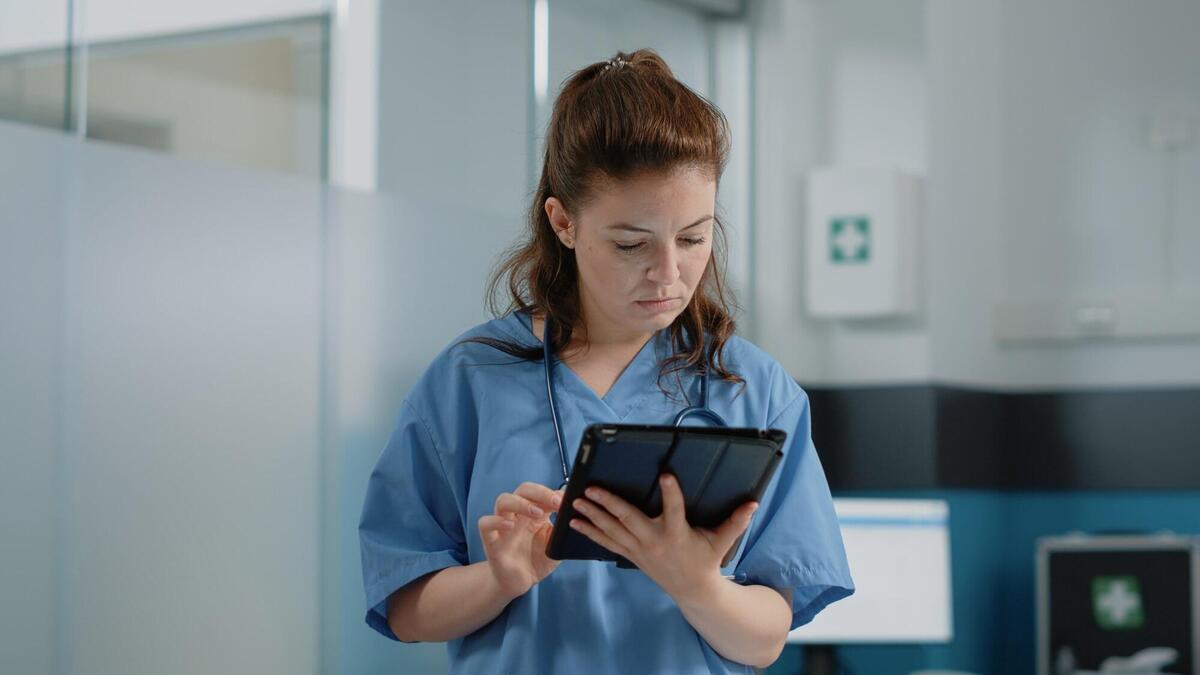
[541, 535]
[541, 539]
[731, 529]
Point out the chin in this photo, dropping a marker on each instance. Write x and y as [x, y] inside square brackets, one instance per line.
[661, 321]
[649, 324]
[664, 320]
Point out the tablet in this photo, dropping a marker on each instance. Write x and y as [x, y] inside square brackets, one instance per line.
[718, 469]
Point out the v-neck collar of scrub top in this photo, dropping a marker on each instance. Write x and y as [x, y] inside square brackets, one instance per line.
[636, 381]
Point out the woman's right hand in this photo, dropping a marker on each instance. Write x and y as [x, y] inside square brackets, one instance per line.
[515, 537]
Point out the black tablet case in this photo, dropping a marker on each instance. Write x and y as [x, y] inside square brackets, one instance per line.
[718, 468]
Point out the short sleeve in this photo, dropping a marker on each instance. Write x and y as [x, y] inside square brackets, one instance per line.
[410, 524]
[794, 541]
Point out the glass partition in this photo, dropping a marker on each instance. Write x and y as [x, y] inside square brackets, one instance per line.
[30, 393]
[253, 94]
[161, 399]
[35, 57]
[250, 95]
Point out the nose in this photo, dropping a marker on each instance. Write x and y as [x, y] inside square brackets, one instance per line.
[664, 266]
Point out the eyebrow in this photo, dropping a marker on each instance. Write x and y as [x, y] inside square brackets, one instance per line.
[631, 228]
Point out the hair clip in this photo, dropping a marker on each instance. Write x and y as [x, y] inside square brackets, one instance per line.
[615, 63]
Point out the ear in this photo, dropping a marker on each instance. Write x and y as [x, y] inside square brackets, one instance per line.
[560, 220]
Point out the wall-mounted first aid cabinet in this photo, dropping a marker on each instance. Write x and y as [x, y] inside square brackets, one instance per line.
[862, 243]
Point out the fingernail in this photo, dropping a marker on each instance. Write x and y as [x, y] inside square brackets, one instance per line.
[580, 505]
[667, 480]
[536, 512]
[592, 492]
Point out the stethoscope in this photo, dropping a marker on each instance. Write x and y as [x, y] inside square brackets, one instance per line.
[701, 410]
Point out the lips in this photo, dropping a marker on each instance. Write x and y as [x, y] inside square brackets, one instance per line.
[658, 305]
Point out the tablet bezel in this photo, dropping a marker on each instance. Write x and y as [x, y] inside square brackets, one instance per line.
[597, 436]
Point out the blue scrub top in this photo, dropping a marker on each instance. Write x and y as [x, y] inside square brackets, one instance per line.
[477, 424]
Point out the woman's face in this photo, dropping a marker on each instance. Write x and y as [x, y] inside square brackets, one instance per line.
[642, 244]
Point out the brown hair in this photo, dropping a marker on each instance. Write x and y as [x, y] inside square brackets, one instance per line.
[613, 120]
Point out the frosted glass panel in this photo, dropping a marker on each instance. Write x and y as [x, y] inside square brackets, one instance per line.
[190, 407]
[30, 181]
[161, 403]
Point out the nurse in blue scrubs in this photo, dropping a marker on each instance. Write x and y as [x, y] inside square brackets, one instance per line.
[620, 256]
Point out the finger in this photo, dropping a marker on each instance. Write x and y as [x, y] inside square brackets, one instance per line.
[595, 534]
[510, 504]
[731, 529]
[605, 522]
[495, 524]
[630, 517]
[674, 509]
[540, 495]
[491, 528]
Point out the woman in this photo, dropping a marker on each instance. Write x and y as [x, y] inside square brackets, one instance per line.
[620, 256]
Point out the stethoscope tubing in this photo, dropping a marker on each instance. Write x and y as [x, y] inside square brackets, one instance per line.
[701, 410]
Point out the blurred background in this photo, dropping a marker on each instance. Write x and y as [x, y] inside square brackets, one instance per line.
[232, 234]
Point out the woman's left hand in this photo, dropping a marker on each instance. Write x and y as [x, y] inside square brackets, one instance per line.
[682, 559]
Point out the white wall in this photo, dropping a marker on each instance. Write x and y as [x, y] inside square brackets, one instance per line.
[454, 103]
[1028, 120]
[1065, 197]
[585, 31]
[837, 84]
[791, 84]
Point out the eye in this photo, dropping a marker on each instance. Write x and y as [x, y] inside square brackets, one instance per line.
[696, 241]
[628, 248]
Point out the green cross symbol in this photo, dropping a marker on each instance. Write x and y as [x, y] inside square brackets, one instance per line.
[1117, 603]
[849, 240]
